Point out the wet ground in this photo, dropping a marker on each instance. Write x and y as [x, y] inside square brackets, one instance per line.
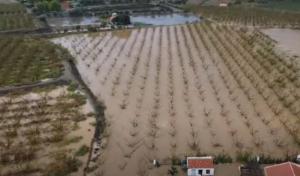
[288, 39]
[165, 96]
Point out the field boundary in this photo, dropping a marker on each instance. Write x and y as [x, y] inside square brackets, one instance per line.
[57, 81]
[98, 106]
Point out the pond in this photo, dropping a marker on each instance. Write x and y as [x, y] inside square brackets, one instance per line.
[72, 21]
[168, 19]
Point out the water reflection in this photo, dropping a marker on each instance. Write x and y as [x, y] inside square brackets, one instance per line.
[169, 19]
[70, 21]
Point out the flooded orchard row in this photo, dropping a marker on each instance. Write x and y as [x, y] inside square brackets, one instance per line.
[182, 90]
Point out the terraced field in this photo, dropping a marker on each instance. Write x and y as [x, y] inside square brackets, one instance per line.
[188, 89]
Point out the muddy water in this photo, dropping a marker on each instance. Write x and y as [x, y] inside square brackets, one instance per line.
[170, 19]
[130, 72]
[288, 39]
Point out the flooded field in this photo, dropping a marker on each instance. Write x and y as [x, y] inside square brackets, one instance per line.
[43, 131]
[288, 39]
[173, 91]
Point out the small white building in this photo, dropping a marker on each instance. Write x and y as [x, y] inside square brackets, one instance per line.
[223, 3]
[200, 166]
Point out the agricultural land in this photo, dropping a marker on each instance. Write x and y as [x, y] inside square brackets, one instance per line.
[183, 90]
[92, 97]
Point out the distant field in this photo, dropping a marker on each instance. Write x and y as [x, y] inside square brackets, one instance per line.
[14, 16]
[203, 2]
[283, 5]
[28, 60]
[249, 16]
[7, 1]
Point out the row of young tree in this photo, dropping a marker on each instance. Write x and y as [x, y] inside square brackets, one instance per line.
[30, 128]
[215, 66]
[249, 16]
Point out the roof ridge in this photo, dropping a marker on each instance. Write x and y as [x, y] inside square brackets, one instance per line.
[290, 164]
[295, 164]
[277, 164]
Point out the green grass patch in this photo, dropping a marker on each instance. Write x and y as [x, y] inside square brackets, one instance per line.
[287, 5]
[71, 140]
[83, 150]
[27, 60]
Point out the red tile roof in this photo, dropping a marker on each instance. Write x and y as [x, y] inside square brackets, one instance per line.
[284, 169]
[200, 163]
[296, 168]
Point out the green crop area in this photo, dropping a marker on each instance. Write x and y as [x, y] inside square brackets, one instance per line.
[14, 17]
[289, 5]
[248, 16]
[26, 60]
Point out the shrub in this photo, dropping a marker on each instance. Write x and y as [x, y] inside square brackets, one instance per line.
[62, 165]
[79, 99]
[222, 158]
[175, 161]
[244, 157]
[173, 171]
[82, 150]
[72, 87]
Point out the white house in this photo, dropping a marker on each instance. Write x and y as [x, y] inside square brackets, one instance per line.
[223, 3]
[200, 166]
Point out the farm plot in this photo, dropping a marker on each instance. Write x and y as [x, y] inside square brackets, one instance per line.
[45, 132]
[25, 60]
[14, 16]
[188, 89]
[248, 16]
[288, 40]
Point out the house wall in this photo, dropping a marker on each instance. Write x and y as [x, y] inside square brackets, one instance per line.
[223, 5]
[194, 172]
